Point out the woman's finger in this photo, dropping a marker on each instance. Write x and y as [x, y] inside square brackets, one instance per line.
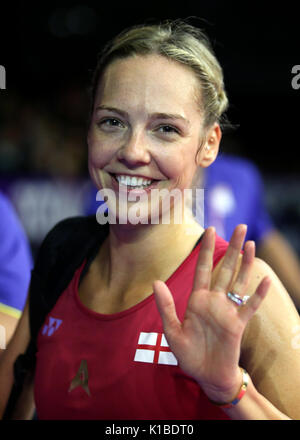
[166, 306]
[247, 311]
[205, 260]
[230, 260]
[243, 277]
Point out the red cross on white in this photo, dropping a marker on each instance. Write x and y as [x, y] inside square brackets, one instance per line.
[153, 348]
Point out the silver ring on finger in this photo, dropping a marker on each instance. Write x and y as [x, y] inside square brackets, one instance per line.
[237, 299]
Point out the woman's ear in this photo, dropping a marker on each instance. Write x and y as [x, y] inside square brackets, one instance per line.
[210, 147]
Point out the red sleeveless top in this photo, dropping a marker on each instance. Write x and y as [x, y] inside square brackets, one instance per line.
[117, 366]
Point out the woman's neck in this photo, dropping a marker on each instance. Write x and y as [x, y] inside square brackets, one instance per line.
[161, 248]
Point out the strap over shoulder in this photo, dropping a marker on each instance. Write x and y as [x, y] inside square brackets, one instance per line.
[61, 253]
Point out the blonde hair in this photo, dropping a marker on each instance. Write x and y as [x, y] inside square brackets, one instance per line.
[178, 41]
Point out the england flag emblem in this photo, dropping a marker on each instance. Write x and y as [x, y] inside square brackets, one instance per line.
[154, 349]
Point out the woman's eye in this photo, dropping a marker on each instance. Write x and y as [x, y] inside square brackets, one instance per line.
[168, 129]
[111, 123]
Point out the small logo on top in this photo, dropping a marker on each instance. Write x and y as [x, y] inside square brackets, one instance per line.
[52, 326]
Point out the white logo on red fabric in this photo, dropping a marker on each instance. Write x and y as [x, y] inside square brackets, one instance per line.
[52, 326]
[154, 349]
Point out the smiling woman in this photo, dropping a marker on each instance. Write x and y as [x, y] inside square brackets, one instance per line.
[181, 57]
[157, 321]
[144, 130]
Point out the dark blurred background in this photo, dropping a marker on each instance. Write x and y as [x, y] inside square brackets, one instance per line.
[49, 51]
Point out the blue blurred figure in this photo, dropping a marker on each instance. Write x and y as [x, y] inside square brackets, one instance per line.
[15, 266]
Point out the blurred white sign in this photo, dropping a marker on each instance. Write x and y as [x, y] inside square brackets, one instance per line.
[41, 204]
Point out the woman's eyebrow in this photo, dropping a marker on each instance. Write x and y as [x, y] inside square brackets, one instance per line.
[112, 109]
[156, 115]
[172, 116]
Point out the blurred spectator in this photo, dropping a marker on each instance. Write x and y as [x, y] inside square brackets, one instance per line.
[235, 194]
[15, 267]
[48, 141]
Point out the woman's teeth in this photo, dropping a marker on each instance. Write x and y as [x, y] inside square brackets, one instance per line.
[137, 182]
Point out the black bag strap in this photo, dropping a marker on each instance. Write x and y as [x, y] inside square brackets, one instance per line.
[63, 250]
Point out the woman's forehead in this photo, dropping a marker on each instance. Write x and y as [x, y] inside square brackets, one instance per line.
[151, 80]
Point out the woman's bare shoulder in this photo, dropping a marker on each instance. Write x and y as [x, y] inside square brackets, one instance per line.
[270, 349]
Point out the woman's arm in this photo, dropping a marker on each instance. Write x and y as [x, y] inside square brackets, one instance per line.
[277, 252]
[8, 325]
[254, 406]
[16, 346]
[271, 353]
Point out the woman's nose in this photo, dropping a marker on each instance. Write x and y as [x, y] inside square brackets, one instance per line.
[134, 149]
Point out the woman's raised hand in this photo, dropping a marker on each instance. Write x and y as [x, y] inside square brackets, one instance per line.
[207, 343]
